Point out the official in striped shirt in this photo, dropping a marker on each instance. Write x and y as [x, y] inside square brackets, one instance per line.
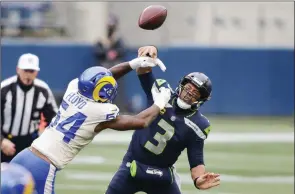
[23, 99]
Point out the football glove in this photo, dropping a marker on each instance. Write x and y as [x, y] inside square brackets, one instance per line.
[161, 97]
[146, 62]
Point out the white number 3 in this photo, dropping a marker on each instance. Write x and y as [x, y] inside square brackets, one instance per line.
[161, 139]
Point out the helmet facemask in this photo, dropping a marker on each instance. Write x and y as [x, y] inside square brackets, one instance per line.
[108, 92]
[190, 94]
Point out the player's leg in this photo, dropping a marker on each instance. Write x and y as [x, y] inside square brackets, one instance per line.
[176, 178]
[174, 188]
[163, 189]
[122, 182]
[43, 172]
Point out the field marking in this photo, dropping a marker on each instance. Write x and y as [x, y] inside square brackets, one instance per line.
[179, 165]
[273, 137]
[185, 178]
[104, 161]
[78, 187]
[71, 187]
[88, 160]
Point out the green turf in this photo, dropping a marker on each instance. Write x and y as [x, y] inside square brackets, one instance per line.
[248, 160]
[251, 124]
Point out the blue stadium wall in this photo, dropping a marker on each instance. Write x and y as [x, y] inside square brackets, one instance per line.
[245, 81]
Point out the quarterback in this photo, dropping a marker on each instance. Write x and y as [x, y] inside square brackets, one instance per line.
[86, 110]
[149, 162]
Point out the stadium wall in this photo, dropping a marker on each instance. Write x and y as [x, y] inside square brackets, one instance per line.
[245, 81]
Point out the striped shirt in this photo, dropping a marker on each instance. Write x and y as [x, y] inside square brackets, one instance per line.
[21, 109]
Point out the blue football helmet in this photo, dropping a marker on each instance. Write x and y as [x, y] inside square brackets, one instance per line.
[201, 82]
[15, 179]
[98, 84]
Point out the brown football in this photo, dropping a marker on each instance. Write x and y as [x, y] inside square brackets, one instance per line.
[152, 17]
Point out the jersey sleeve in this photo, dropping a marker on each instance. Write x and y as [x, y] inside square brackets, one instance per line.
[195, 153]
[147, 80]
[199, 131]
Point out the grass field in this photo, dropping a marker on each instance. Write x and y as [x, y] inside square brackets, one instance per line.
[253, 156]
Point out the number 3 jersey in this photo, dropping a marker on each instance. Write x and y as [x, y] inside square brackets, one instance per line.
[168, 135]
[73, 126]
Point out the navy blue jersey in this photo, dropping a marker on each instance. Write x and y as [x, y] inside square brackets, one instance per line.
[169, 134]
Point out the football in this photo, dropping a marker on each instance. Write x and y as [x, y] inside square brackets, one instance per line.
[152, 17]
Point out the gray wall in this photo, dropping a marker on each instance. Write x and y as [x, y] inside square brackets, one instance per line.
[211, 23]
[176, 28]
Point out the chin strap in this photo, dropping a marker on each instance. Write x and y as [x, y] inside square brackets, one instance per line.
[182, 104]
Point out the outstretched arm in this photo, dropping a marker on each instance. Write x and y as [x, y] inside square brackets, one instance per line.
[147, 80]
[141, 120]
[128, 122]
[202, 179]
[145, 75]
[122, 69]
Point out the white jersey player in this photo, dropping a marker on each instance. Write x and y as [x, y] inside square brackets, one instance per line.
[86, 109]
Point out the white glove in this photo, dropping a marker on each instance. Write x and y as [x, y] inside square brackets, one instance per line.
[146, 62]
[161, 97]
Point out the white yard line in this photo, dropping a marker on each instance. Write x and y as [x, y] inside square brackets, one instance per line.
[124, 138]
[71, 187]
[185, 178]
[273, 137]
[104, 162]
[89, 160]
[78, 187]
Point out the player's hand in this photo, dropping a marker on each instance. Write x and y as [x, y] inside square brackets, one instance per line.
[146, 62]
[208, 180]
[148, 51]
[162, 97]
[7, 147]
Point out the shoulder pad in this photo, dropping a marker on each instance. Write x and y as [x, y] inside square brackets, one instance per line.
[109, 112]
[162, 83]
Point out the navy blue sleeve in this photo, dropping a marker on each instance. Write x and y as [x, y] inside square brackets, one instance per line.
[147, 80]
[196, 140]
[195, 149]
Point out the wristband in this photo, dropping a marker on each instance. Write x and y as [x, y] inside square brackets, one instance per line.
[195, 183]
[159, 104]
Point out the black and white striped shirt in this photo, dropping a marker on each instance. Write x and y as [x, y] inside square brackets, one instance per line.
[21, 109]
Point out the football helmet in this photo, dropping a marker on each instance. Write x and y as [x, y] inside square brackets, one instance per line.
[98, 84]
[203, 85]
[15, 179]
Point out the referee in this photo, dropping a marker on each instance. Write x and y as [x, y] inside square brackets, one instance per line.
[23, 99]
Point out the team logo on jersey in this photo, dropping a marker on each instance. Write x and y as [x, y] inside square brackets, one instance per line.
[154, 171]
[160, 82]
[105, 89]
